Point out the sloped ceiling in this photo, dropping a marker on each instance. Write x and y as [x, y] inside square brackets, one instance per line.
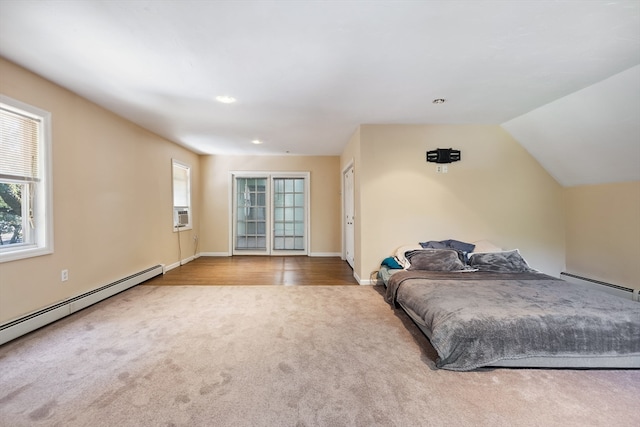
[306, 74]
[589, 137]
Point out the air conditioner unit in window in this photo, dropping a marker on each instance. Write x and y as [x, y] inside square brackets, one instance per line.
[183, 218]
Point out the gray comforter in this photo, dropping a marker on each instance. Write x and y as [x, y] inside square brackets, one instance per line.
[479, 318]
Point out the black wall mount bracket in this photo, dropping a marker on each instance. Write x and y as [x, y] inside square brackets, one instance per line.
[443, 155]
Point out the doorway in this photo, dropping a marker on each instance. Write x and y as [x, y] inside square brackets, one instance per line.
[349, 214]
[270, 213]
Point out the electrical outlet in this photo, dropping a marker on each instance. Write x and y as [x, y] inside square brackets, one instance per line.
[64, 275]
[438, 169]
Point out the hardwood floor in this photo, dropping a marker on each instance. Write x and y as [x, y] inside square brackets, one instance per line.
[259, 270]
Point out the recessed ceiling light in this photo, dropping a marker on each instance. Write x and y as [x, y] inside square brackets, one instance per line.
[225, 99]
[256, 141]
[439, 101]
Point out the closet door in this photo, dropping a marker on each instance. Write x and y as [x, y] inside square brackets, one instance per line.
[349, 211]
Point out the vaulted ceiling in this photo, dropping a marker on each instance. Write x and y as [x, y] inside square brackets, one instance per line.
[562, 77]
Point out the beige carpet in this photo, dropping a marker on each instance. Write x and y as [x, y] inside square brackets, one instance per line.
[277, 356]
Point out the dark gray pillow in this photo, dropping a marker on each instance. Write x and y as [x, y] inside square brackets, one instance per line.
[434, 260]
[500, 262]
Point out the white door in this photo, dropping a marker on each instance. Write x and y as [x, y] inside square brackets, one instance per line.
[349, 212]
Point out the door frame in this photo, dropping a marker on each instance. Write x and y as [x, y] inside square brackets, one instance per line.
[232, 213]
[350, 165]
[270, 175]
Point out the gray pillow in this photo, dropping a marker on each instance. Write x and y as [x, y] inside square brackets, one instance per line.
[434, 260]
[500, 262]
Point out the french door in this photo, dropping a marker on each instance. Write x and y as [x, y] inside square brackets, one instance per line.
[270, 213]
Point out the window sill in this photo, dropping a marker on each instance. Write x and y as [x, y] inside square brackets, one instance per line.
[22, 253]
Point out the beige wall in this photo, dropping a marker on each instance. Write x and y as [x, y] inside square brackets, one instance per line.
[324, 191]
[497, 192]
[112, 202]
[603, 232]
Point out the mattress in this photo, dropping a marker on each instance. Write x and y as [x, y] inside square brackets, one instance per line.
[517, 320]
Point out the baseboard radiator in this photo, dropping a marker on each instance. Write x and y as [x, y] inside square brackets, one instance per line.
[40, 318]
[621, 291]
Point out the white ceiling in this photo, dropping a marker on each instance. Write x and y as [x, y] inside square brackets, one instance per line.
[307, 73]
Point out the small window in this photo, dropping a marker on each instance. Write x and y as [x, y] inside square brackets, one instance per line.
[26, 226]
[181, 195]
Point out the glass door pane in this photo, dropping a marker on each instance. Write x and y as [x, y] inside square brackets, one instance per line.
[289, 214]
[251, 214]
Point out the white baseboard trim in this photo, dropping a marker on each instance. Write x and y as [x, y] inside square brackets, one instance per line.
[312, 254]
[227, 254]
[621, 291]
[37, 319]
[371, 281]
[361, 281]
[178, 264]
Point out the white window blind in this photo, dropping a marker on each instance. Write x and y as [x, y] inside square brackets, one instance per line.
[19, 145]
[180, 185]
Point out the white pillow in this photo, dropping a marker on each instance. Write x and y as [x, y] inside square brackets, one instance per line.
[486, 246]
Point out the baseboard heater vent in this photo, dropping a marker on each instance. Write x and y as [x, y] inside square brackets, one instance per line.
[602, 286]
[40, 318]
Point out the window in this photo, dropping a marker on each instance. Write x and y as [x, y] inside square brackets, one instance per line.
[181, 195]
[26, 218]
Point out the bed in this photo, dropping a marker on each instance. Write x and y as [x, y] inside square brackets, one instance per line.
[493, 310]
